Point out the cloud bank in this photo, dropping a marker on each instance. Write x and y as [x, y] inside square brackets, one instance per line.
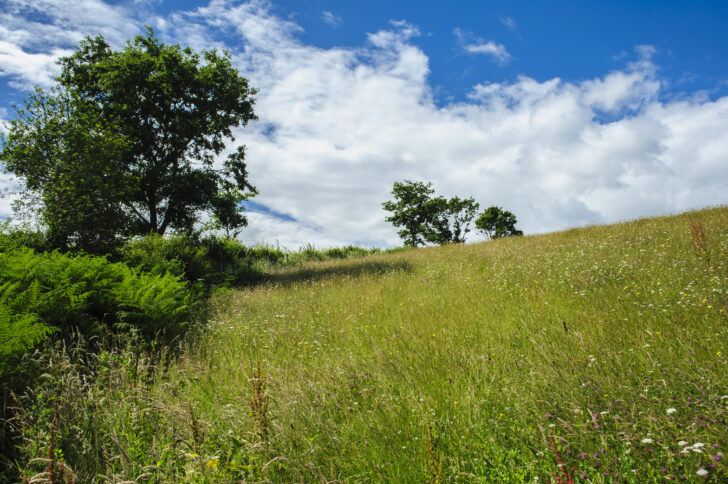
[338, 126]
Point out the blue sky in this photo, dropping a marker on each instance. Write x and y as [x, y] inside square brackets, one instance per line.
[566, 113]
[572, 40]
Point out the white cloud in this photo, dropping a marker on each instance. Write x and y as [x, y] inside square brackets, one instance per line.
[473, 45]
[490, 48]
[35, 33]
[338, 126]
[331, 19]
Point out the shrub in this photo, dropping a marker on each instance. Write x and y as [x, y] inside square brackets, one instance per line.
[15, 238]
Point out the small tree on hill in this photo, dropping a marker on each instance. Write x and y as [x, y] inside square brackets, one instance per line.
[429, 219]
[495, 223]
[453, 220]
[413, 210]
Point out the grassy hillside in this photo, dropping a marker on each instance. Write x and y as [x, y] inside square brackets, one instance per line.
[596, 353]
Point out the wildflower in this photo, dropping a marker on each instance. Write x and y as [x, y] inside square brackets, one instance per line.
[646, 441]
[681, 443]
[702, 472]
[698, 444]
[213, 462]
[671, 410]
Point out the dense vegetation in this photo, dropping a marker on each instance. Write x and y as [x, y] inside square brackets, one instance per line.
[593, 355]
[146, 294]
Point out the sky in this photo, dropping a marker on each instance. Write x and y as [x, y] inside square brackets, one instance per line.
[566, 113]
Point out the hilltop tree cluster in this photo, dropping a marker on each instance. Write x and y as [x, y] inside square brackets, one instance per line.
[425, 218]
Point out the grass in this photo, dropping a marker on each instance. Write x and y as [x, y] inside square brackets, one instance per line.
[591, 355]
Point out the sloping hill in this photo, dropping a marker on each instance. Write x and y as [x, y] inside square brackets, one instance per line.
[611, 338]
[597, 354]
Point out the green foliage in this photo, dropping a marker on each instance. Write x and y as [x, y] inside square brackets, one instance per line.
[453, 219]
[68, 160]
[213, 262]
[413, 210]
[54, 291]
[18, 334]
[176, 107]
[425, 218]
[495, 223]
[15, 238]
[205, 263]
[126, 143]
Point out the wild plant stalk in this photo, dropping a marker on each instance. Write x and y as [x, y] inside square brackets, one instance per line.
[259, 405]
[433, 459]
[197, 440]
[562, 477]
[697, 230]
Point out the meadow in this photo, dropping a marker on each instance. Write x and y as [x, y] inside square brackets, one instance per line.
[591, 355]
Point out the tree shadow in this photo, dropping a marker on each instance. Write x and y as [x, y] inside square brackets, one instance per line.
[330, 269]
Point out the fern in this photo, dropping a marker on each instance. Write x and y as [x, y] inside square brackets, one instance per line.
[46, 292]
[18, 334]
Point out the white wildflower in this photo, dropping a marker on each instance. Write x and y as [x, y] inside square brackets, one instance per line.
[702, 472]
[681, 443]
[698, 444]
[671, 410]
[646, 441]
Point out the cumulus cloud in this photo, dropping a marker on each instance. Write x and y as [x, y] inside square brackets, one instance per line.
[338, 126]
[35, 33]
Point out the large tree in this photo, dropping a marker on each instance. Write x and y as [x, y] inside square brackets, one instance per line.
[167, 112]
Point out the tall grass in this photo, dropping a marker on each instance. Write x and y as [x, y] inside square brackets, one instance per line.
[592, 355]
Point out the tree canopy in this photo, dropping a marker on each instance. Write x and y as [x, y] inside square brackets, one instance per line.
[134, 135]
[425, 218]
[495, 223]
[413, 210]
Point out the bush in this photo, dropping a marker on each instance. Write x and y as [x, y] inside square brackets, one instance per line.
[205, 263]
[15, 238]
